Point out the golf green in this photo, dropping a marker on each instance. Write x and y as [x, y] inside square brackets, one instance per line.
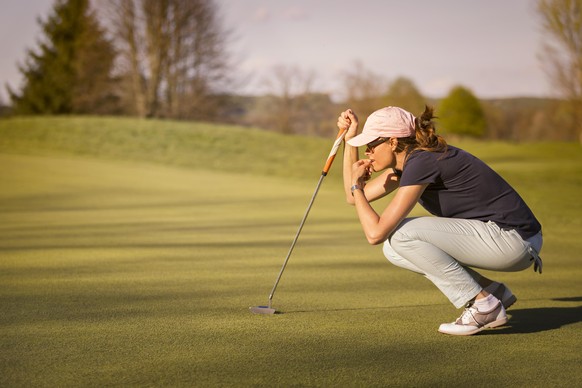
[118, 273]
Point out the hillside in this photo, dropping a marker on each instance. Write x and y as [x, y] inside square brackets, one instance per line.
[184, 144]
[212, 147]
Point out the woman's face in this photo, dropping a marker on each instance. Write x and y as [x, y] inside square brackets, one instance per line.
[381, 154]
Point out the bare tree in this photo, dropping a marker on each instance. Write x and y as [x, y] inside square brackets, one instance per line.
[199, 66]
[562, 57]
[4, 109]
[173, 54]
[364, 89]
[289, 89]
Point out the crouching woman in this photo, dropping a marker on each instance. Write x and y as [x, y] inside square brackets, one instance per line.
[479, 221]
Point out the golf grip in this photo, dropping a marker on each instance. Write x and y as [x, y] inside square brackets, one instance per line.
[331, 157]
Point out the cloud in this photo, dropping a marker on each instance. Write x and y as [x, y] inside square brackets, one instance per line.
[261, 14]
[295, 14]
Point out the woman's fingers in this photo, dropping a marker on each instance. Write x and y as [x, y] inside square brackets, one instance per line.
[361, 170]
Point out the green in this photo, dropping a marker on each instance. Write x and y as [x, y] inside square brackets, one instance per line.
[130, 251]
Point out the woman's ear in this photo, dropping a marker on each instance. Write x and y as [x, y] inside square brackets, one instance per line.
[393, 143]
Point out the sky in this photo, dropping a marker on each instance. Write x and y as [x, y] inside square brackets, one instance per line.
[491, 47]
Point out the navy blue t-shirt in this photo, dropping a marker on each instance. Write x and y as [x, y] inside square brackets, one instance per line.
[463, 186]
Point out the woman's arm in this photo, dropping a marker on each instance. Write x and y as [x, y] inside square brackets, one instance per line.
[377, 228]
[379, 187]
[350, 157]
[348, 120]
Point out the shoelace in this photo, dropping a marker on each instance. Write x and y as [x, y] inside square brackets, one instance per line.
[468, 315]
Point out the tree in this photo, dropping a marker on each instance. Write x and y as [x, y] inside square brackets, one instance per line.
[173, 56]
[288, 88]
[562, 58]
[404, 94]
[70, 72]
[4, 109]
[460, 113]
[364, 90]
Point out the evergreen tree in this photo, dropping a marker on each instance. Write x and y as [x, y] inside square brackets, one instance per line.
[70, 71]
[461, 113]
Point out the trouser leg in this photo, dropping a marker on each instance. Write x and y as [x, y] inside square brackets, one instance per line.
[441, 249]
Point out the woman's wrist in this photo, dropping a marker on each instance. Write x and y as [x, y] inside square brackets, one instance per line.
[355, 187]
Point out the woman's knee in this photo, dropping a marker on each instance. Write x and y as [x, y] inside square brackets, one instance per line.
[390, 254]
[401, 237]
[393, 257]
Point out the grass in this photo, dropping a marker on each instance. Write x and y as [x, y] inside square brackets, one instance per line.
[181, 144]
[125, 263]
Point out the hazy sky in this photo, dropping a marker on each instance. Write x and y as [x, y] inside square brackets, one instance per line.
[489, 46]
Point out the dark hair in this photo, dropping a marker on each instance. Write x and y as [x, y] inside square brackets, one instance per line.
[425, 138]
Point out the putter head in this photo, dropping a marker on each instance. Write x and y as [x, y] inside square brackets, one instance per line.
[262, 310]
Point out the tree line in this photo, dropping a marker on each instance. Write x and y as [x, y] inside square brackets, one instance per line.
[148, 58]
[170, 59]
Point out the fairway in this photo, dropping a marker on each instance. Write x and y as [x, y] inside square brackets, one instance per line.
[128, 273]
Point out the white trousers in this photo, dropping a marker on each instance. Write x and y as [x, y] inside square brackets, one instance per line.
[443, 249]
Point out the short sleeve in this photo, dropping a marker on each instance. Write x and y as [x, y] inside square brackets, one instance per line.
[420, 168]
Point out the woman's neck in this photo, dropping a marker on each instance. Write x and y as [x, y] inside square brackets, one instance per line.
[400, 160]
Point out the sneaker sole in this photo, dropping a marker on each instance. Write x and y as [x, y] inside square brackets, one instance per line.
[497, 323]
[509, 301]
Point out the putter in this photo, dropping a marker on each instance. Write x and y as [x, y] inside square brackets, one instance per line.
[269, 309]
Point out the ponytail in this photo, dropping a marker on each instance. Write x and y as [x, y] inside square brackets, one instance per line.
[425, 135]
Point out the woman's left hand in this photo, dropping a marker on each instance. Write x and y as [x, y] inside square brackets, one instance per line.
[361, 172]
[348, 121]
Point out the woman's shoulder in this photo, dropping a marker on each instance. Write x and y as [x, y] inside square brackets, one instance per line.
[450, 151]
[452, 157]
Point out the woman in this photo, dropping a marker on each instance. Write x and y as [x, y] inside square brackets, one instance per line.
[479, 220]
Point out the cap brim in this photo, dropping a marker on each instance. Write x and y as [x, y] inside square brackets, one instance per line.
[361, 139]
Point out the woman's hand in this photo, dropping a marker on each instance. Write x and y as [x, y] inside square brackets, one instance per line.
[361, 172]
[348, 120]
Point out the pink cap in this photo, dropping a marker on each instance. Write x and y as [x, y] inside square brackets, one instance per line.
[390, 121]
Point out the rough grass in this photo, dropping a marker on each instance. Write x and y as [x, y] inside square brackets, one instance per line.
[183, 144]
[126, 264]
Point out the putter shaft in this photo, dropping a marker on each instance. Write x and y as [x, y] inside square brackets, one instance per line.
[326, 167]
[296, 237]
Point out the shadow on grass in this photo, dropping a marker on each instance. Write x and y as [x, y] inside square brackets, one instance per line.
[540, 319]
[357, 309]
[572, 299]
[522, 321]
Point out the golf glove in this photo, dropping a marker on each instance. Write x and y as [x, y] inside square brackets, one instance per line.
[536, 259]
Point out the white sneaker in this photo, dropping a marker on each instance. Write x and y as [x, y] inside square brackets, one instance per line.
[501, 292]
[473, 321]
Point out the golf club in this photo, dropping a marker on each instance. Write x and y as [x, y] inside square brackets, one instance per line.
[269, 309]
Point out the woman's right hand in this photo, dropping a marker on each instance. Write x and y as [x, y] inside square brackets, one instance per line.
[348, 120]
[361, 172]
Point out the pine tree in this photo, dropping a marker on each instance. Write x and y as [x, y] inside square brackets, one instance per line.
[460, 113]
[70, 70]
